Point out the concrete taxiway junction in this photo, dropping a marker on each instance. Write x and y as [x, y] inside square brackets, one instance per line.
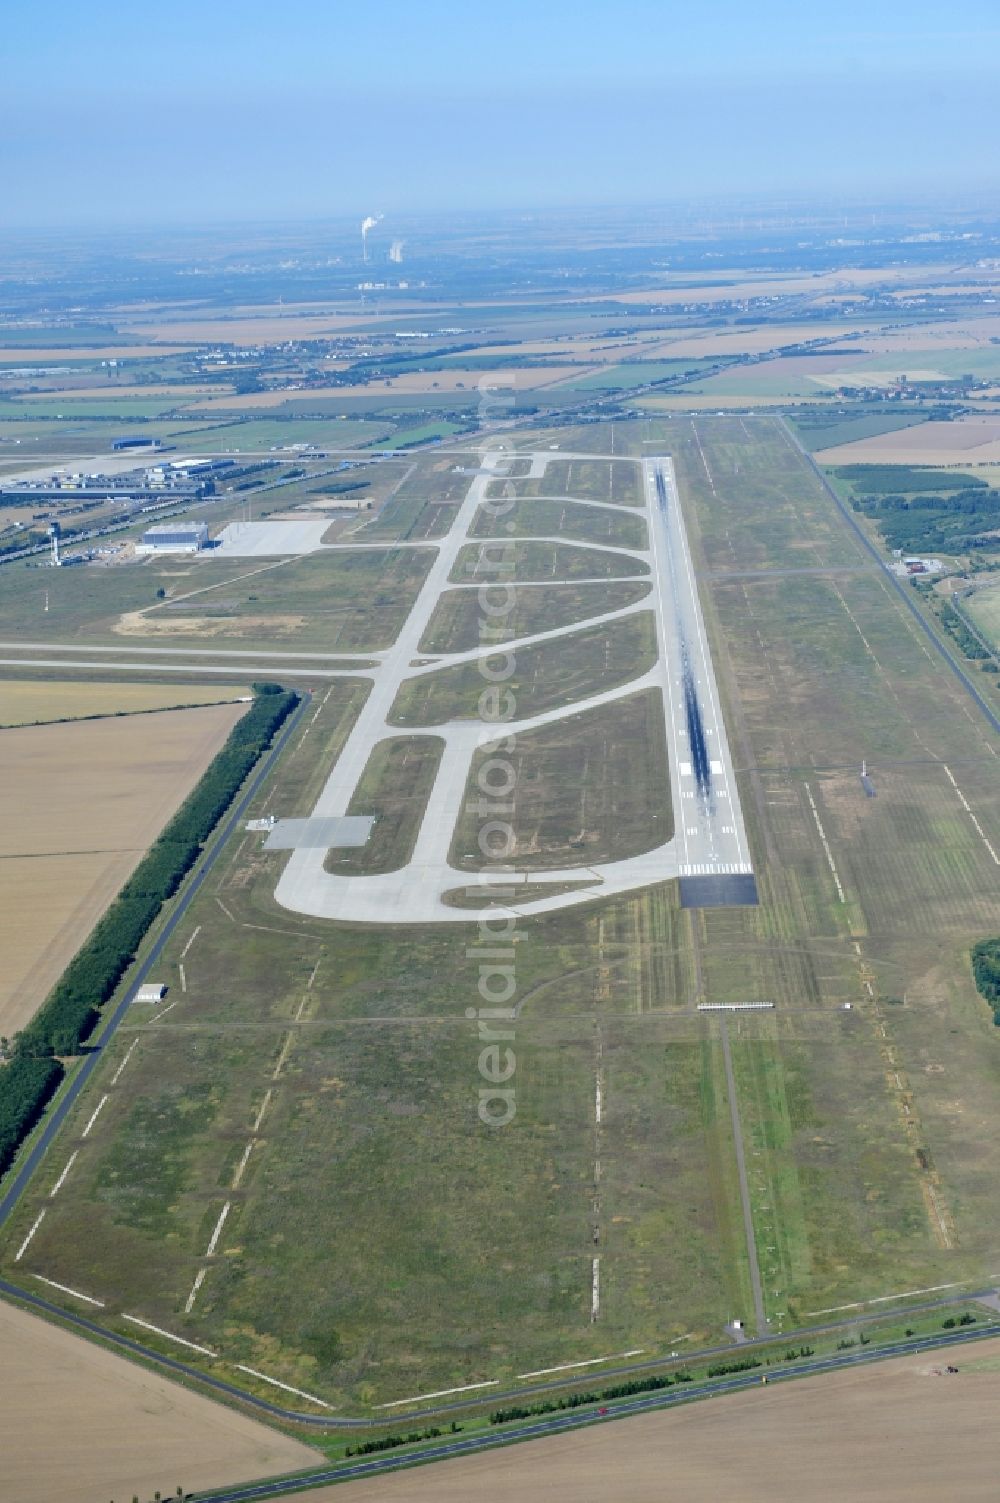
[709, 839]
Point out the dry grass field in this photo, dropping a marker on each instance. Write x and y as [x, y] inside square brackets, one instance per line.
[32, 702]
[79, 805]
[82, 1424]
[893, 1431]
[966, 440]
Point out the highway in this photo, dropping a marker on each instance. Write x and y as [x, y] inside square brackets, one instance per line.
[614, 1409]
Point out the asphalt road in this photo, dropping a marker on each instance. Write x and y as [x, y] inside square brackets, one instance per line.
[614, 1410]
[19, 1182]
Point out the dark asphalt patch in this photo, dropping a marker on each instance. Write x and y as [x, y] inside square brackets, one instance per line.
[719, 892]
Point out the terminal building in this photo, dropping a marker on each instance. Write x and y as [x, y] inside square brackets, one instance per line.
[174, 537]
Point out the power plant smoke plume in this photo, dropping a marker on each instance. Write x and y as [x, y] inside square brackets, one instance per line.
[366, 225]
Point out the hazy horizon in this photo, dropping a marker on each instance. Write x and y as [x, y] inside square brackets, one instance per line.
[253, 113]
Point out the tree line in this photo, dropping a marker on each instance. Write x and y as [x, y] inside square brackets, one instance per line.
[66, 1018]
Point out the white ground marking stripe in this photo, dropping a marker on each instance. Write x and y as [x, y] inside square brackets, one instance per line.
[884, 1299]
[169, 1335]
[826, 843]
[97, 1112]
[161, 1015]
[194, 936]
[595, 1290]
[241, 1166]
[441, 1393]
[184, 985]
[116, 1077]
[24, 1245]
[209, 1251]
[263, 1108]
[59, 1182]
[965, 805]
[199, 1279]
[65, 1289]
[565, 1367]
[299, 1392]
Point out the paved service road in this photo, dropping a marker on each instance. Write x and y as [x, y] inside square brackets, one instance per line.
[709, 839]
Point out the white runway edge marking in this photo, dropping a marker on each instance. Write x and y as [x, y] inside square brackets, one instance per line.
[883, 1299]
[184, 985]
[241, 1166]
[299, 1392]
[565, 1367]
[826, 843]
[65, 1289]
[218, 1229]
[263, 1108]
[161, 1015]
[169, 1335]
[199, 1279]
[595, 1291]
[194, 936]
[59, 1182]
[24, 1245]
[116, 1077]
[97, 1112]
[441, 1393]
[964, 802]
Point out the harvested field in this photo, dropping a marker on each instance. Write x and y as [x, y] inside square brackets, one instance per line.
[32, 703]
[82, 1423]
[79, 805]
[896, 1430]
[964, 441]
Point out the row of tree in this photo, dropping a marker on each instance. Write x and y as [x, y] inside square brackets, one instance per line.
[69, 1013]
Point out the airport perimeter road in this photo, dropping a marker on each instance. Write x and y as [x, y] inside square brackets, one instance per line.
[18, 1181]
[614, 1409]
[709, 837]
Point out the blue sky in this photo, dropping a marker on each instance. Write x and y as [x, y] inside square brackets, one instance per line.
[314, 108]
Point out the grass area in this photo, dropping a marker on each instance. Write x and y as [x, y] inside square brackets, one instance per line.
[593, 787]
[635, 373]
[394, 787]
[983, 607]
[616, 481]
[459, 614]
[544, 518]
[545, 675]
[337, 602]
[821, 430]
[423, 503]
[352, 1260]
[270, 432]
[540, 562]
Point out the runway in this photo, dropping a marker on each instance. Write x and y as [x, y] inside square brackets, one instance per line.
[709, 840]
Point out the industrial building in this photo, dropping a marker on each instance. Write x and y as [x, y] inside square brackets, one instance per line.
[174, 537]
